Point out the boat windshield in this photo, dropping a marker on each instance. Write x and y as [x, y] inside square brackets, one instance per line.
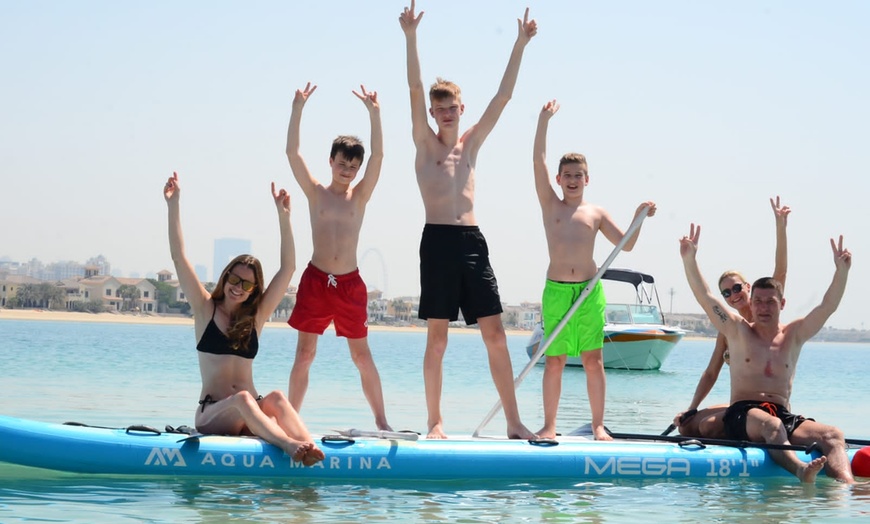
[633, 314]
[618, 314]
[646, 314]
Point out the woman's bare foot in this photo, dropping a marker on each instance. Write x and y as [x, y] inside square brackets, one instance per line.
[297, 451]
[313, 454]
[307, 453]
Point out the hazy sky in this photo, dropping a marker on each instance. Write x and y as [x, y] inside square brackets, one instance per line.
[706, 108]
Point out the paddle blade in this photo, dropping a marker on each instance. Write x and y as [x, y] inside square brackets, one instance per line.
[392, 435]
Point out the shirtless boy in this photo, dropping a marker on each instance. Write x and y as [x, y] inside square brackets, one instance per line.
[764, 355]
[571, 224]
[455, 272]
[735, 289]
[331, 289]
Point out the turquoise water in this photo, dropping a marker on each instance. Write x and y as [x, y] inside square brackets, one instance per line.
[120, 374]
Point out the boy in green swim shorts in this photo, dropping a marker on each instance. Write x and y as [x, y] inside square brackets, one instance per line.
[571, 225]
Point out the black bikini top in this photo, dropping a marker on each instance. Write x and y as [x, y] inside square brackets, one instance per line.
[215, 342]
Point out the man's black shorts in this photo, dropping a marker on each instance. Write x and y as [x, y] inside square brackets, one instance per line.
[735, 417]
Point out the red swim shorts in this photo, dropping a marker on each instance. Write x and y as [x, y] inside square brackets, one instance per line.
[323, 298]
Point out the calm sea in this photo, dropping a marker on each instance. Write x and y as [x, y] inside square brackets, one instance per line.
[119, 374]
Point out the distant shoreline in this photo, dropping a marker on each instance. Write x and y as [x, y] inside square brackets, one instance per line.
[178, 320]
[182, 320]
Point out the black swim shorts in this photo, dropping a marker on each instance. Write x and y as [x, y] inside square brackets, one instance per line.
[455, 274]
[735, 417]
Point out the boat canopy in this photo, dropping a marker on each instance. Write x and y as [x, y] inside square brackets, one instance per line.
[635, 278]
[644, 285]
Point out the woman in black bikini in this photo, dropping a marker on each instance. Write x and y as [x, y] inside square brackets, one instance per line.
[227, 324]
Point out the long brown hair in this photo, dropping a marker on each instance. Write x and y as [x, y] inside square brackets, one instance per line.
[242, 323]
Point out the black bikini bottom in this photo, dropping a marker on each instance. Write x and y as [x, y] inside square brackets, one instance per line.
[208, 401]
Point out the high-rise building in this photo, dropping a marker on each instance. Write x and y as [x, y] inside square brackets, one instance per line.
[201, 272]
[226, 249]
[61, 270]
[101, 262]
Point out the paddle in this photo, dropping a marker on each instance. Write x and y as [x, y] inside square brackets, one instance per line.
[857, 442]
[684, 416]
[542, 346]
[360, 433]
[718, 442]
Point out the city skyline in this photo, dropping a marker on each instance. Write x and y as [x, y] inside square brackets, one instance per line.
[226, 249]
[7, 264]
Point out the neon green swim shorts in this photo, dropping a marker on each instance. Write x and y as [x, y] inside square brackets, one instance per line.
[585, 330]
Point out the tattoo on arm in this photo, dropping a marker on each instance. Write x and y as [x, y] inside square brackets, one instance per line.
[721, 314]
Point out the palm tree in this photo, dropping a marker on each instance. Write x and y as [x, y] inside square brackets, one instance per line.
[25, 296]
[284, 307]
[53, 295]
[131, 295]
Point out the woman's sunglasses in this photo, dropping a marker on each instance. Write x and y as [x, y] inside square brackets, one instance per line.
[736, 288]
[234, 280]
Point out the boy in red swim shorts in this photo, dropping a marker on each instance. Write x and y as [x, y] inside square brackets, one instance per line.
[331, 289]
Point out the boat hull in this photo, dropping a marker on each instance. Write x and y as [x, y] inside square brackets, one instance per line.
[574, 459]
[640, 348]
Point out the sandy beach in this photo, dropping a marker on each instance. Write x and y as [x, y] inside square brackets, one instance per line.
[133, 318]
[74, 316]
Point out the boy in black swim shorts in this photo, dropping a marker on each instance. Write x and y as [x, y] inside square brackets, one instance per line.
[455, 273]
